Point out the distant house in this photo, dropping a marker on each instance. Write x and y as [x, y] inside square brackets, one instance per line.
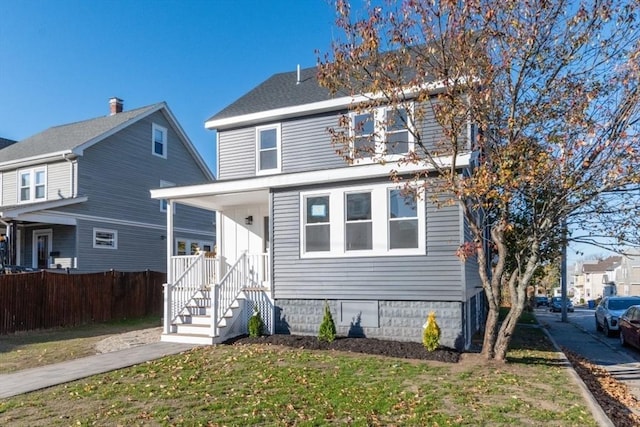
[77, 195]
[298, 227]
[590, 277]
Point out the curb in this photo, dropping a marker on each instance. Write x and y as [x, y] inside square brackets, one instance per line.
[596, 410]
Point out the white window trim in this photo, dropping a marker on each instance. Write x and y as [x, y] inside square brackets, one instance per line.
[379, 116]
[32, 185]
[277, 169]
[105, 230]
[165, 143]
[380, 218]
[163, 202]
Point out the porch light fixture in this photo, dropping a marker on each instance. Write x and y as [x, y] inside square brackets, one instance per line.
[248, 220]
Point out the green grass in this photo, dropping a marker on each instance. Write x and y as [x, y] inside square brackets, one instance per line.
[25, 350]
[259, 385]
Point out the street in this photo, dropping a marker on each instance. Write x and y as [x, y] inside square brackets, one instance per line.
[580, 336]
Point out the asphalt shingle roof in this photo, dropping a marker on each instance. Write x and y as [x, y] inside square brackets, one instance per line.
[278, 91]
[69, 136]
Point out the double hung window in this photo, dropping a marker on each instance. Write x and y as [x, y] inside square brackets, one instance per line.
[268, 149]
[382, 132]
[32, 184]
[359, 223]
[317, 227]
[159, 141]
[403, 221]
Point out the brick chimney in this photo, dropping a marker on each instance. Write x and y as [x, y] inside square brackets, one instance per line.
[115, 105]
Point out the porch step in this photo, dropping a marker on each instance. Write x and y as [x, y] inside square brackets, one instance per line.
[195, 329]
[188, 339]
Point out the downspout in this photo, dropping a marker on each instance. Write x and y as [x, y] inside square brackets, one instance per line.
[72, 179]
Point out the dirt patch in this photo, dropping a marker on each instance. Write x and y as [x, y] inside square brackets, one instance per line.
[400, 349]
[129, 340]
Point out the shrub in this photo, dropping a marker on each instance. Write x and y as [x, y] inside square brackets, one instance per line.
[431, 334]
[256, 325]
[327, 327]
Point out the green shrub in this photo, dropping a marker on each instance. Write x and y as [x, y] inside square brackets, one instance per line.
[431, 334]
[327, 327]
[256, 325]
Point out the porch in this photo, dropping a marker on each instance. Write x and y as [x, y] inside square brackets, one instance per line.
[207, 300]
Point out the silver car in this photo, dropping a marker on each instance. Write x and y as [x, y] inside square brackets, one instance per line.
[609, 311]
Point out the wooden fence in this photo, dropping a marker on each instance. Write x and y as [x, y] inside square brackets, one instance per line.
[45, 299]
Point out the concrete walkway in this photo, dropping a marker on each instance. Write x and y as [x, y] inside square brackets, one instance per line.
[46, 376]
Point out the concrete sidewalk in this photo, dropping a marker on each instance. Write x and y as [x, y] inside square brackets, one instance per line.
[46, 376]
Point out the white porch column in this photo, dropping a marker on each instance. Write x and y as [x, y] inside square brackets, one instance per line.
[170, 278]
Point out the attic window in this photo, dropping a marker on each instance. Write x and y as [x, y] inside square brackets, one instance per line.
[159, 141]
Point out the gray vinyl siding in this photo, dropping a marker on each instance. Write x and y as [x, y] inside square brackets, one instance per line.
[117, 174]
[435, 276]
[58, 180]
[64, 242]
[305, 144]
[138, 249]
[471, 273]
[57, 184]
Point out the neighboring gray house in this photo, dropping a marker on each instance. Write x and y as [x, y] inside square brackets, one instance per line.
[77, 196]
[298, 227]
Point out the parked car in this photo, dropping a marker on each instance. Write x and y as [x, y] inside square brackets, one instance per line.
[542, 301]
[609, 311]
[629, 325]
[556, 304]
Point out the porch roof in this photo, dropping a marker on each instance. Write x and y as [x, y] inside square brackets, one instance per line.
[36, 211]
[255, 190]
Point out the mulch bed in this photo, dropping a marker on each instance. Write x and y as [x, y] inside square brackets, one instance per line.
[400, 349]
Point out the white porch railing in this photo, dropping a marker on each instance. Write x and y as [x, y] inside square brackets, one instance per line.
[190, 274]
[249, 271]
[194, 273]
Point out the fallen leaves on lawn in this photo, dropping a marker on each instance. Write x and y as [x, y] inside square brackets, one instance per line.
[613, 396]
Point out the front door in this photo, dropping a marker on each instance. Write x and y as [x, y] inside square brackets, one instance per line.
[42, 246]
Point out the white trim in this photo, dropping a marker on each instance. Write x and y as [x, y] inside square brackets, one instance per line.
[1, 188]
[189, 194]
[379, 221]
[34, 160]
[114, 238]
[48, 219]
[380, 134]
[278, 148]
[165, 140]
[26, 208]
[310, 108]
[34, 245]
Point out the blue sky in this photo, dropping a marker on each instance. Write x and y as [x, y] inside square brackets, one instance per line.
[61, 61]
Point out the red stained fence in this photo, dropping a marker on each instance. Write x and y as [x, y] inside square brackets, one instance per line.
[44, 299]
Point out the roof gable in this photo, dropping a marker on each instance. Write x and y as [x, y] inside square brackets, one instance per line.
[68, 137]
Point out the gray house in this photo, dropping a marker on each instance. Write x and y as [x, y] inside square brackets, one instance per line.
[298, 227]
[77, 196]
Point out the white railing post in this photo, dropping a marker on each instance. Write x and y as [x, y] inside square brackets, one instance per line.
[215, 307]
[167, 308]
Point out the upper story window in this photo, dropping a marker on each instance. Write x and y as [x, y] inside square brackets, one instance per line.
[163, 202]
[159, 141]
[268, 149]
[381, 132]
[32, 184]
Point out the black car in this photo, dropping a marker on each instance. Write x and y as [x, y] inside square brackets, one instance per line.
[542, 301]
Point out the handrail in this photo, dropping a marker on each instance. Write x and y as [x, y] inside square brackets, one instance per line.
[195, 273]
